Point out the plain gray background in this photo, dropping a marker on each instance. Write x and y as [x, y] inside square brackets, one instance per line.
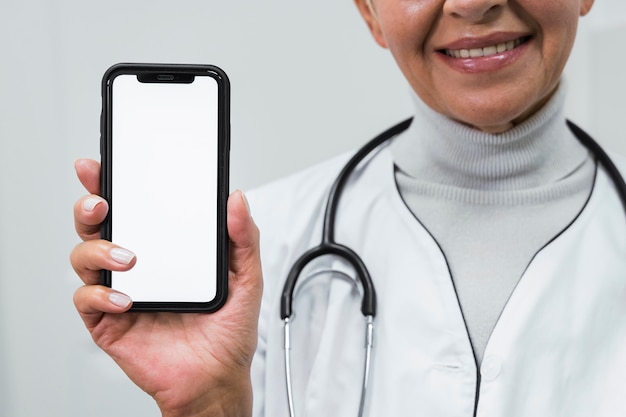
[307, 83]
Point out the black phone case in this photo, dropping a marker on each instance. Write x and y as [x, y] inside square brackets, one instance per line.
[172, 73]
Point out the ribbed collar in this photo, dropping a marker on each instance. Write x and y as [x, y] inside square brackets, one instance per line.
[537, 152]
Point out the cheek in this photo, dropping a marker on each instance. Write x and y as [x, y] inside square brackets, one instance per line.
[558, 41]
[406, 25]
[557, 19]
[548, 14]
[555, 22]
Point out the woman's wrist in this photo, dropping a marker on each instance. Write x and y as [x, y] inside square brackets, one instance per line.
[228, 401]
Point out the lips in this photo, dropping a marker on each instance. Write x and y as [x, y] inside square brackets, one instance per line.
[485, 55]
[486, 51]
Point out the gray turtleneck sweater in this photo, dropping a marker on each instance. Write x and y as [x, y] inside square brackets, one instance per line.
[492, 201]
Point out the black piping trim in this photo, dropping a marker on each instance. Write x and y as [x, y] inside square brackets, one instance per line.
[478, 376]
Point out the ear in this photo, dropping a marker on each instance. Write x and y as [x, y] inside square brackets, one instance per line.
[366, 8]
[585, 6]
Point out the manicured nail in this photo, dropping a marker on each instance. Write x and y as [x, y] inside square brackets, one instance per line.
[122, 256]
[90, 203]
[119, 299]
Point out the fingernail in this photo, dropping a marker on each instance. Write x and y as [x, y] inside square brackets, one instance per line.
[90, 203]
[119, 299]
[122, 256]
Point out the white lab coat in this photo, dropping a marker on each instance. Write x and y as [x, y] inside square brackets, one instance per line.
[558, 349]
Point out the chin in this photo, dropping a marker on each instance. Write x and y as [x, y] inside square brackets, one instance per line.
[488, 124]
[490, 118]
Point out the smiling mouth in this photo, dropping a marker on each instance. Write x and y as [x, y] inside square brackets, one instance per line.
[486, 51]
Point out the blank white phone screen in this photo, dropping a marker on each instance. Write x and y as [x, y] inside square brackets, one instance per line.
[164, 187]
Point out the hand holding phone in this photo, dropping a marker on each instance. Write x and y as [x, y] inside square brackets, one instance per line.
[193, 363]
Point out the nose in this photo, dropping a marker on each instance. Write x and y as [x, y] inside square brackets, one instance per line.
[474, 10]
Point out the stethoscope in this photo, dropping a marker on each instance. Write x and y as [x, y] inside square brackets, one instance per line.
[329, 246]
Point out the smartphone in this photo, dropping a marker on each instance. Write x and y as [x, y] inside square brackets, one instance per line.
[165, 140]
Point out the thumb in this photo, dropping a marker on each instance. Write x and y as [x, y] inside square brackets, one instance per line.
[245, 260]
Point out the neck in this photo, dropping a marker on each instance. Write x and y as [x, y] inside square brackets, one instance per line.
[538, 151]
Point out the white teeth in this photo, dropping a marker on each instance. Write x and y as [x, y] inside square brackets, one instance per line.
[486, 51]
[476, 53]
[490, 50]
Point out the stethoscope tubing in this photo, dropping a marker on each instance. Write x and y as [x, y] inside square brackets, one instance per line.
[369, 346]
[603, 158]
[328, 244]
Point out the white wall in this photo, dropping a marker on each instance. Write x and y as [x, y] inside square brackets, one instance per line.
[307, 83]
[596, 74]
